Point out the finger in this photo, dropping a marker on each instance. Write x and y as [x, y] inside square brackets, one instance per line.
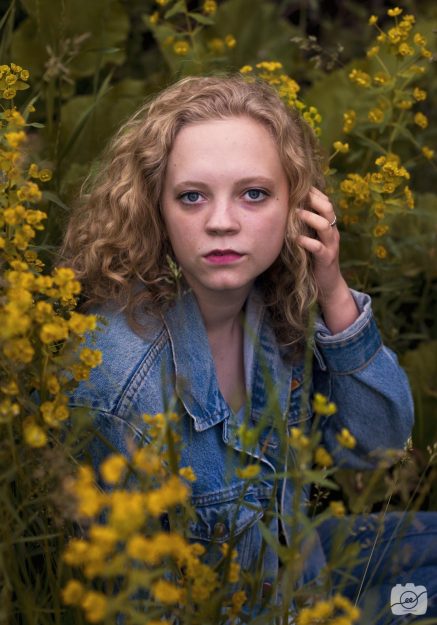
[321, 204]
[320, 224]
[315, 246]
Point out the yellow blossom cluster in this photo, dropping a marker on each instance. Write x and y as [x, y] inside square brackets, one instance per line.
[273, 73]
[13, 78]
[336, 610]
[39, 331]
[369, 195]
[125, 539]
[393, 91]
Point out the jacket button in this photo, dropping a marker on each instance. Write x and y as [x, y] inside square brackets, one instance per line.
[266, 590]
[219, 530]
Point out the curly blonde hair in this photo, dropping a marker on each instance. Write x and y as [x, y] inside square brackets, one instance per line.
[116, 239]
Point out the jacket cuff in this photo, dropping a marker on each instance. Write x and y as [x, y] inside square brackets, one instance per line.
[352, 348]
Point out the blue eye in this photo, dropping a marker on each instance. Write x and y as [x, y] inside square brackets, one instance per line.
[256, 195]
[190, 197]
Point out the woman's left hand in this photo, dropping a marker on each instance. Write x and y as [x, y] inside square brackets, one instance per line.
[335, 299]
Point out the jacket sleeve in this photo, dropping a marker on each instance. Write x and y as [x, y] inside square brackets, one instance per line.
[371, 391]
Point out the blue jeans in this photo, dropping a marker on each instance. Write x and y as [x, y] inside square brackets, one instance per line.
[395, 550]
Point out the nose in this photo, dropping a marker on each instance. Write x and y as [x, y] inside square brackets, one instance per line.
[222, 218]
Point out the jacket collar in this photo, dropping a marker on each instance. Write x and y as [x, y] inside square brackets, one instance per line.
[267, 378]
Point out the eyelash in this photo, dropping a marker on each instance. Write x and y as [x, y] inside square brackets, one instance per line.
[184, 196]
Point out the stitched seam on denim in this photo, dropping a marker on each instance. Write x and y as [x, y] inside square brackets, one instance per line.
[330, 340]
[369, 328]
[357, 369]
[107, 413]
[122, 404]
[228, 495]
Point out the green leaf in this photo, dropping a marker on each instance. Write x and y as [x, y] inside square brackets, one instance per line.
[53, 23]
[179, 7]
[202, 19]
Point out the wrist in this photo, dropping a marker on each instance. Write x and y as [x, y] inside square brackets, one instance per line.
[338, 307]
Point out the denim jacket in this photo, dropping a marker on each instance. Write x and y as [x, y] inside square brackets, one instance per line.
[144, 375]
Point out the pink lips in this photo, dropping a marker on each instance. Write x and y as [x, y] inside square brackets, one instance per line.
[223, 257]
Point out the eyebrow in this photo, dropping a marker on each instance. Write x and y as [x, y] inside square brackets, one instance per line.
[241, 182]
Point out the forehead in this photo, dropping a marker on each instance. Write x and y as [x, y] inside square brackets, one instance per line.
[238, 142]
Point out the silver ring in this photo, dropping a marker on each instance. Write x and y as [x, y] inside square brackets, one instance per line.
[333, 223]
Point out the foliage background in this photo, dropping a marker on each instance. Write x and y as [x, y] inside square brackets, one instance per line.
[92, 64]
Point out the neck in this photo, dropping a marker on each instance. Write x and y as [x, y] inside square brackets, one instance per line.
[221, 312]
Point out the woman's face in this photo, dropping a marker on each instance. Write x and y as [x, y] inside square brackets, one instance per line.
[225, 203]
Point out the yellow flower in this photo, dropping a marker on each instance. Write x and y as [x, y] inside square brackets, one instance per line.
[322, 406]
[427, 54]
[91, 357]
[427, 152]
[322, 457]
[165, 592]
[24, 74]
[54, 332]
[238, 599]
[230, 41]
[153, 18]
[95, 605]
[113, 468]
[53, 385]
[15, 139]
[394, 12]
[75, 552]
[297, 439]
[341, 147]
[381, 78]
[246, 69]
[421, 120]
[404, 105]
[380, 252]
[45, 175]
[360, 78]
[9, 93]
[10, 388]
[181, 48]
[346, 439]
[249, 472]
[395, 35]
[209, 7]
[216, 45]
[405, 50]
[8, 410]
[376, 115]
[380, 231]
[337, 508]
[128, 512]
[349, 118]
[188, 474]
[234, 572]
[419, 40]
[409, 197]
[29, 192]
[73, 592]
[373, 51]
[79, 324]
[419, 94]
[19, 350]
[33, 434]
[147, 461]
[373, 20]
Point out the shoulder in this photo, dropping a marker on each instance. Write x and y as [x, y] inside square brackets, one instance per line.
[125, 350]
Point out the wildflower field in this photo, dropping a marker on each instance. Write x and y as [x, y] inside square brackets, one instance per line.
[83, 544]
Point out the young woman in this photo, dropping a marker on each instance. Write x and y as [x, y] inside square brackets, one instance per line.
[204, 242]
